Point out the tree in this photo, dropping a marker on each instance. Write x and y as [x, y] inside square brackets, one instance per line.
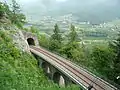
[15, 7]
[72, 49]
[43, 40]
[56, 35]
[72, 38]
[102, 59]
[4, 9]
[34, 30]
[17, 17]
[116, 46]
[14, 14]
[72, 35]
[56, 39]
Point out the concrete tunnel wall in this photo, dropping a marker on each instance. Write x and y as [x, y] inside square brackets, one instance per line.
[30, 38]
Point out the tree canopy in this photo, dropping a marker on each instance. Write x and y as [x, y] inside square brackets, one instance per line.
[56, 39]
[14, 14]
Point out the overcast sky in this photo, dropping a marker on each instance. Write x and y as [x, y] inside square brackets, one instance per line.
[61, 1]
[25, 1]
[81, 3]
[82, 8]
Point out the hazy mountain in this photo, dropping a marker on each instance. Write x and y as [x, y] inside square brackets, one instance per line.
[95, 11]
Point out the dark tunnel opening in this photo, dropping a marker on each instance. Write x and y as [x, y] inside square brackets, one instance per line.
[30, 41]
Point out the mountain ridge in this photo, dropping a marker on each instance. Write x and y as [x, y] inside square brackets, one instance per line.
[95, 11]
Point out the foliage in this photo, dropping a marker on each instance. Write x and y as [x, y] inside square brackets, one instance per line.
[102, 58]
[72, 49]
[34, 30]
[14, 14]
[72, 37]
[56, 35]
[15, 7]
[73, 87]
[16, 67]
[56, 39]
[43, 41]
[2, 9]
[116, 60]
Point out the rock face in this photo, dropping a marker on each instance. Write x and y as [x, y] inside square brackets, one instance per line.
[21, 39]
[5, 24]
[20, 42]
[15, 33]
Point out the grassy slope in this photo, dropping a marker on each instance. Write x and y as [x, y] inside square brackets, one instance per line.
[18, 70]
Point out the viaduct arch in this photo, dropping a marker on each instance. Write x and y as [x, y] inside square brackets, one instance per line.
[54, 74]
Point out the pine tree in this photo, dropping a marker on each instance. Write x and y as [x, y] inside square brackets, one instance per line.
[56, 39]
[72, 45]
[17, 17]
[72, 38]
[73, 34]
[56, 35]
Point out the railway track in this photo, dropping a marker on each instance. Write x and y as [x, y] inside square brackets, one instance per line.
[81, 76]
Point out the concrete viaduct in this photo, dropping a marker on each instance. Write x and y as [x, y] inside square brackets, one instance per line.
[62, 71]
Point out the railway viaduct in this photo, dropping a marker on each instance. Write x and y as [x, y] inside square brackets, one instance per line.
[62, 71]
[50, 71]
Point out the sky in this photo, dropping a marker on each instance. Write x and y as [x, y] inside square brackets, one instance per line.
[27, 1]
[60, 1]
[85, 9]
[80, 1]
[70, 2]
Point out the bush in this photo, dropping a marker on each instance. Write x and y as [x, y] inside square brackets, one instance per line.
[102, 58]
[2, 9]
[43, 41]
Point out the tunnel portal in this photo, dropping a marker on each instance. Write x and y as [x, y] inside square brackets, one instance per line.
[31, 41]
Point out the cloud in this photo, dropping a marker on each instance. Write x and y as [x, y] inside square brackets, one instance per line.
[61, 0]
[27, 1]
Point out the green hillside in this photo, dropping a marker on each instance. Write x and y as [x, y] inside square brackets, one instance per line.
[19, 70]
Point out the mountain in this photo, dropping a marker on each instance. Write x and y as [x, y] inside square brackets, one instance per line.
[95, 11]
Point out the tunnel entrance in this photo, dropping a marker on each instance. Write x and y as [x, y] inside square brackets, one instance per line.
[30, 41]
